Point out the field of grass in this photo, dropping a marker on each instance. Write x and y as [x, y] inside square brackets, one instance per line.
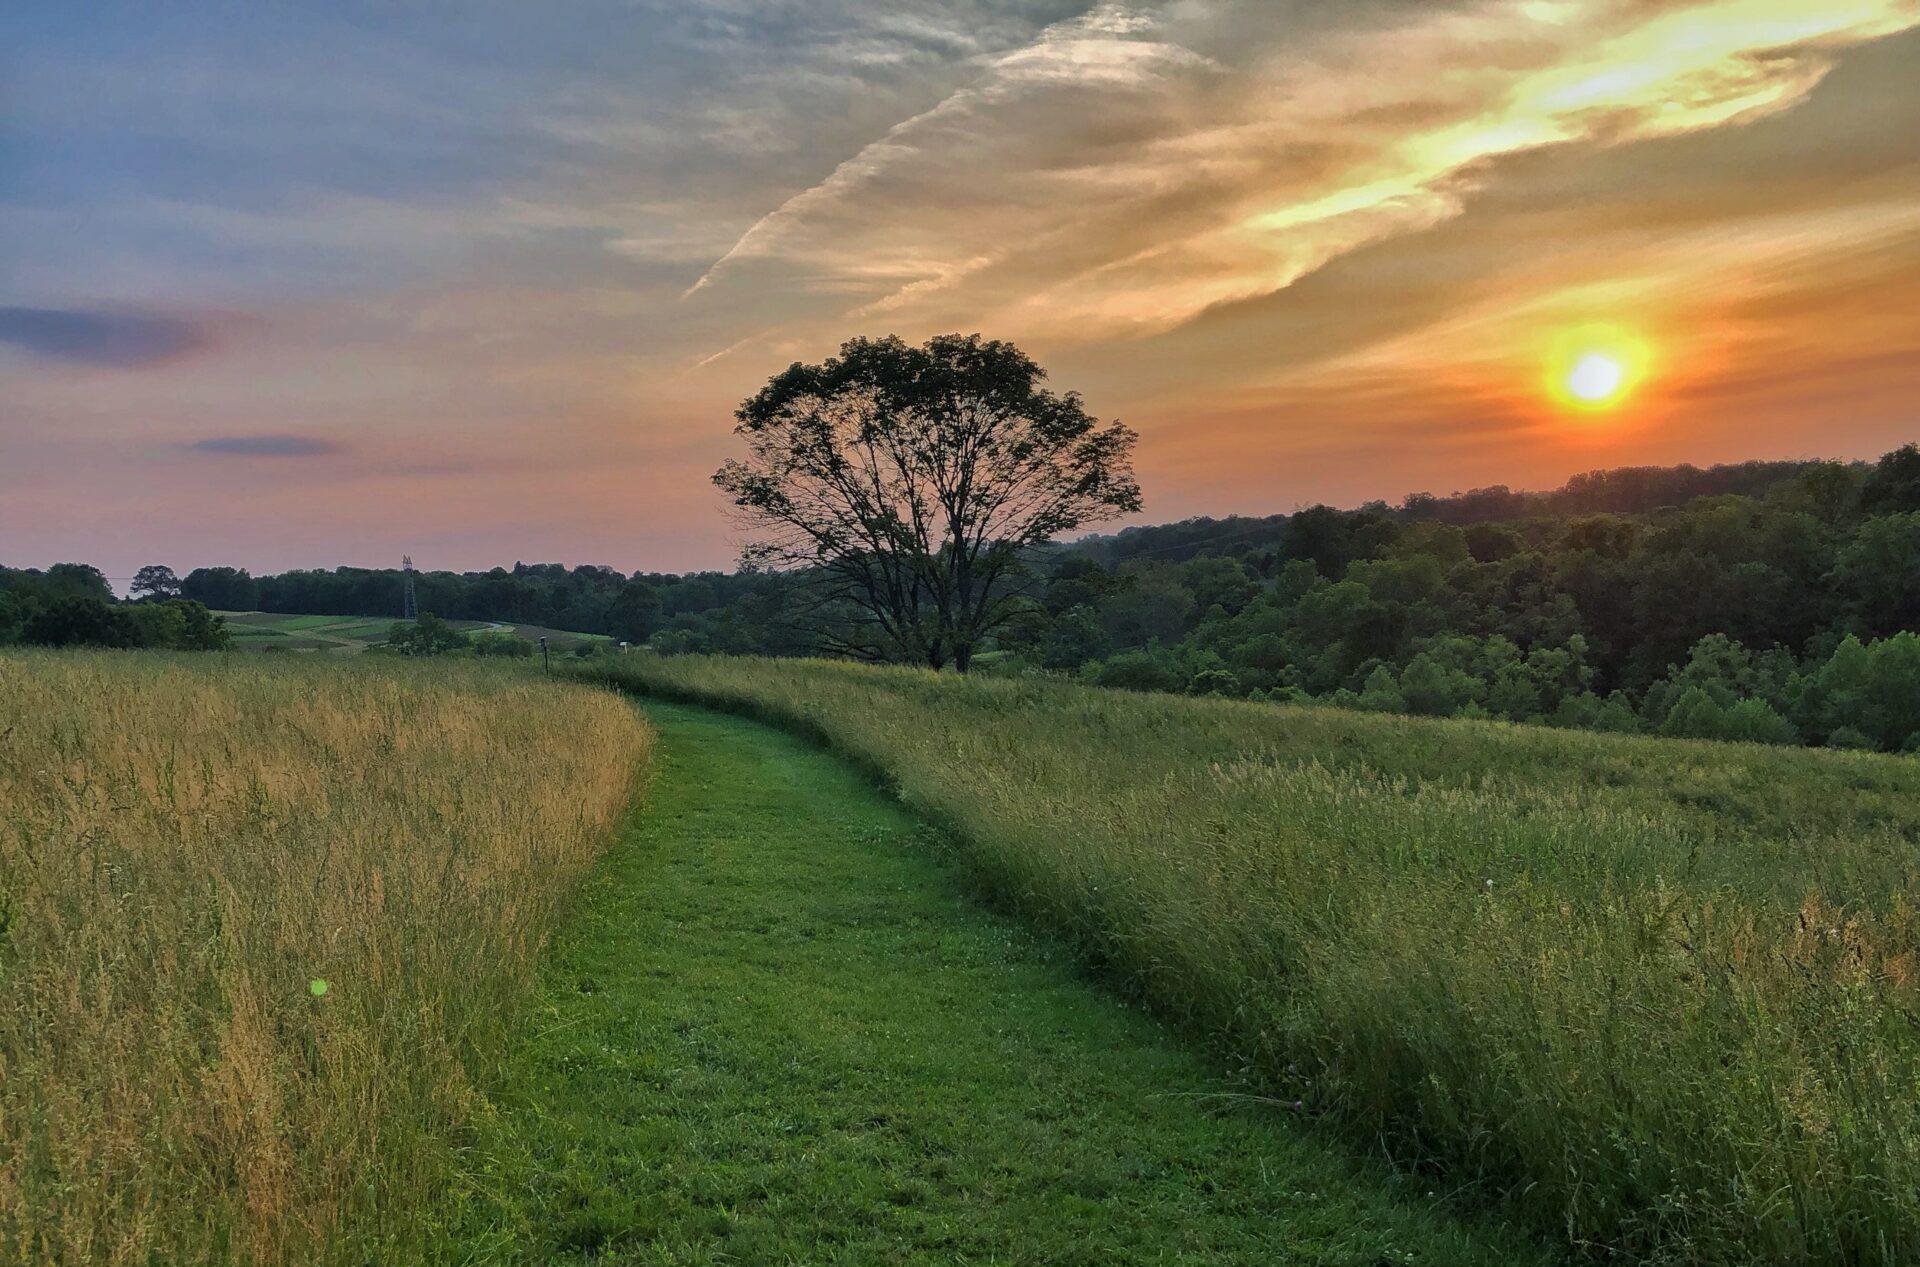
[1658, 996]
[777, 1031]
[259, 923]
[255, 631]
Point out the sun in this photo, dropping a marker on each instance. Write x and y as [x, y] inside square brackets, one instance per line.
[1596, 378]
[1595, 368]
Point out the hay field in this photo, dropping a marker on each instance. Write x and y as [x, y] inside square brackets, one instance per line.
[263, 923]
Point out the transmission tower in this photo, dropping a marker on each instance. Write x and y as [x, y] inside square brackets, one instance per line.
[409, 607]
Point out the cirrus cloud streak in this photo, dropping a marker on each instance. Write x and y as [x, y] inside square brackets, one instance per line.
[1133, 167]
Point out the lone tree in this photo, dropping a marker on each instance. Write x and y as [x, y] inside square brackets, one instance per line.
[429, 635]
[910, 481]
[155, 582]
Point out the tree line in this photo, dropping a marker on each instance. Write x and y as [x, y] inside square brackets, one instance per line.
[719, 611]
[72, 605]
[906, 503]
[1784, 613]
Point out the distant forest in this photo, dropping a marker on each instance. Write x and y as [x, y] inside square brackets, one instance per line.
[1769, 601]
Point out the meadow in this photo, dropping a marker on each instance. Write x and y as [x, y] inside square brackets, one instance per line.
[262, 631]
[776, 1029]
[1655, 996]
[263, 924]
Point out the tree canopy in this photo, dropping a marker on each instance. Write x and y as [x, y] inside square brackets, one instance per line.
[910, 481]
[155, 582]
[1766, 601]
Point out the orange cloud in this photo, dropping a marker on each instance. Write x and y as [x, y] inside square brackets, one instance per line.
[1111, 180]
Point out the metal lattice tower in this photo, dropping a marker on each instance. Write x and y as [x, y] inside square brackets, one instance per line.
[409, 607]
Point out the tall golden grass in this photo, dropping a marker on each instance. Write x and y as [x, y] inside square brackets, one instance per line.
[1662, 995]
[260, 923]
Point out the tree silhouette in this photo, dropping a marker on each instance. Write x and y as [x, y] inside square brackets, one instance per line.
[910, 481]
[156, 582]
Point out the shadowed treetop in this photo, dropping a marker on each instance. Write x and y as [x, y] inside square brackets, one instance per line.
[913, 478]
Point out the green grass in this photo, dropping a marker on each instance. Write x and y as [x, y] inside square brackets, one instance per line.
[254, 631]
[349, 634]
[1661, 997]
[374, 630]
[778, 1031]
[561, 639]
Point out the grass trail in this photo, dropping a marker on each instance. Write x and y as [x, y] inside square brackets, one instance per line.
[776, 1030]
[1660, 992]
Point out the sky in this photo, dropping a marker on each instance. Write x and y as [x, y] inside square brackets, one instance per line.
[300, 285]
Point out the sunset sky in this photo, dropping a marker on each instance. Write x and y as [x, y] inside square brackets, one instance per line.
[303, 285]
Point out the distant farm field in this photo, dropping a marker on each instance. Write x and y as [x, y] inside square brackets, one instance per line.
[257, 631]
[259, 921]
[1659, 996]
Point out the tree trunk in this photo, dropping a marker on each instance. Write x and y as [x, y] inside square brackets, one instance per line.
[962, 657]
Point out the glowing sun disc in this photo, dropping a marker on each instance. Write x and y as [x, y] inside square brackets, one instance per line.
[1595, 377]
[1592, 368]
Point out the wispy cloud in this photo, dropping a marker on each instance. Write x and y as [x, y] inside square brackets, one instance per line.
[266, 446]
[1111, 178]
[1306, 248]
[853, 225]
[118, 340]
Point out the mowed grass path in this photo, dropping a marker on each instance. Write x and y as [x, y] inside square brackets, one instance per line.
[778, 1031]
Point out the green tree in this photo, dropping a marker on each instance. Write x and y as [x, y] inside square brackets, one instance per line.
[222, 588]
[1878, 573]
[155, 583]
[913, 481]
[426, 636]
[75, 621]
[13, 615]
[1380, 693]
[1724, 670]
[1218, 583]
[1893, 486]
[1071, 640]
[1515, 694]
[1435, 689]
[1695, 715]
[1834, 695]
[636, 612]
[77, 580]
[1138, 671]
[1888, 708]
[1077, 582]
[1829, 491]
[201, 630]
[500, 643]
[1215, 682]
[1587, 711]
[1754, 721]
[1148, 605]
[162, 625]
